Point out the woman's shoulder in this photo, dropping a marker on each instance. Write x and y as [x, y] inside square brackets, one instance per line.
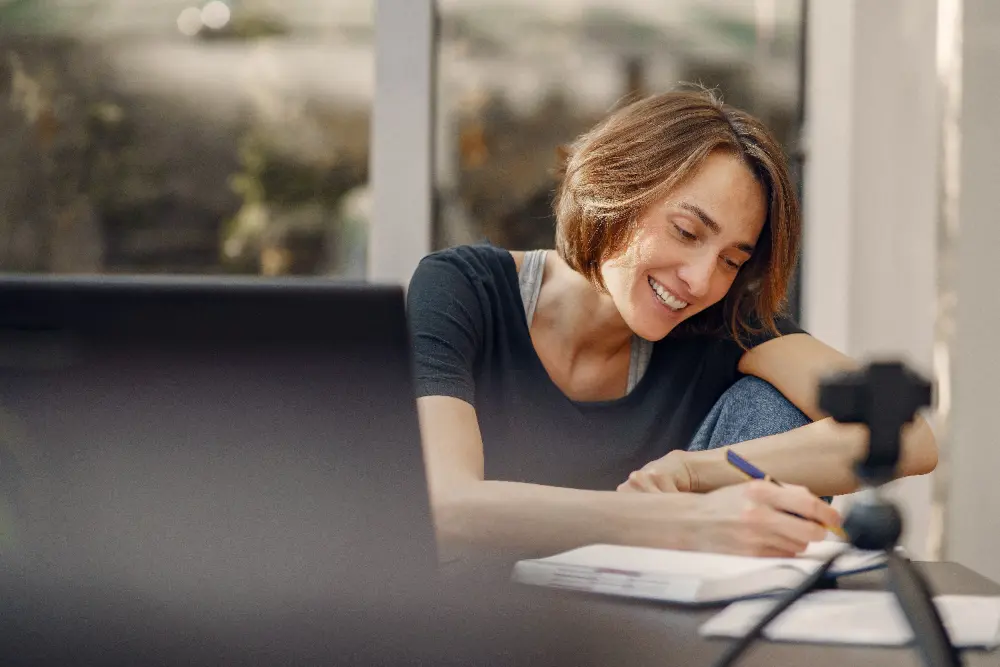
[481, 273]
[471, 285]
[480, 260]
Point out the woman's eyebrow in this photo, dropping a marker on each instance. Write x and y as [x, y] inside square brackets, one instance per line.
[712, 225]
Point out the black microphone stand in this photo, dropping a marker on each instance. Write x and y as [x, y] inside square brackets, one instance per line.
[885, 396]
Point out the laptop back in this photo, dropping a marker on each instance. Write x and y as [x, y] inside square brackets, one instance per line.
[211, 451]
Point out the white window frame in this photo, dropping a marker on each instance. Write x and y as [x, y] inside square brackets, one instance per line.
[402, 138]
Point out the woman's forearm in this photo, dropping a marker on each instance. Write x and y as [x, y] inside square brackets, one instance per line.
[529, 518]
[821, 456]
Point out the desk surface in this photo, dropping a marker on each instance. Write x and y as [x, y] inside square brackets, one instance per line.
[509, 626]
[666, 636]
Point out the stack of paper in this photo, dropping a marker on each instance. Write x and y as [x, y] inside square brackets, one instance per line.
[871, 618]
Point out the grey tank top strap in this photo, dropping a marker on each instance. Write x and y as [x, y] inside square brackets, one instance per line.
[529, 281]
[642, 351]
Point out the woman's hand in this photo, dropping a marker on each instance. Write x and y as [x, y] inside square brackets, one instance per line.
[754, 519]
[664, 475]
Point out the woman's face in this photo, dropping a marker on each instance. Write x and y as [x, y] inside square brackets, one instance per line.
[688, 247]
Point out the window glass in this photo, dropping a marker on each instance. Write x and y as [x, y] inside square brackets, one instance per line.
[185, 136]
[518, 78]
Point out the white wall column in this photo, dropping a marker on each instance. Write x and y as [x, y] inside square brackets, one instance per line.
[870, 197]
[402, 138]
[972, 535]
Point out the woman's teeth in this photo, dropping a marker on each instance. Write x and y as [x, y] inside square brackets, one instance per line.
[665, 297]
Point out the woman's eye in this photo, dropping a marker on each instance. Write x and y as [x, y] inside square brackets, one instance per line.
[685, 234]
[731, 264]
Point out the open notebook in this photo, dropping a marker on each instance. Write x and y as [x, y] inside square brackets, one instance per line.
[686, 577]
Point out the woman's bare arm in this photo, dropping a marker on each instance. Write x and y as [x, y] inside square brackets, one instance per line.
[471, 512]
[821, 455]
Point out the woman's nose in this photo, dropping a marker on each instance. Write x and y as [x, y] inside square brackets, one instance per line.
[697, 273]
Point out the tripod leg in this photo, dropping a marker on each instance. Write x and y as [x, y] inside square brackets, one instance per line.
[737, 648]
[917, 602]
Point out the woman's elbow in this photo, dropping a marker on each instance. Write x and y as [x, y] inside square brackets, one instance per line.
[448, 518]
[453, 512]
[921, 457]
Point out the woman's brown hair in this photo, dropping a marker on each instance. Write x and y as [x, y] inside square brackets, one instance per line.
[641, 152]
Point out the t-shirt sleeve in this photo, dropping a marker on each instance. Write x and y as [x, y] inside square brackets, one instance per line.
[785, 325]
[446, 329]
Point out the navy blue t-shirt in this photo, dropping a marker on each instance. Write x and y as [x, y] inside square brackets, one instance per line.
[471, 341]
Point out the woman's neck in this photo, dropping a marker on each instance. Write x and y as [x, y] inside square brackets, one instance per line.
[573, 311]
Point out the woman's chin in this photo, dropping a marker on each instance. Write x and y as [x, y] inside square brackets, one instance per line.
[652, 331]
[657, 323]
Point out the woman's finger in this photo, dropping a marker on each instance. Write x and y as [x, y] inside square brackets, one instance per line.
[775, 552]
[795, 500]
[784, 531]
[664, 483]
[641, 481]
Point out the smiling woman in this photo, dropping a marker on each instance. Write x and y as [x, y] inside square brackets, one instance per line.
[548, 380]
[679, 250]
[713, 176]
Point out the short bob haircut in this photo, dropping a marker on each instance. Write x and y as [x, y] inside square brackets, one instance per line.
[636, 156]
